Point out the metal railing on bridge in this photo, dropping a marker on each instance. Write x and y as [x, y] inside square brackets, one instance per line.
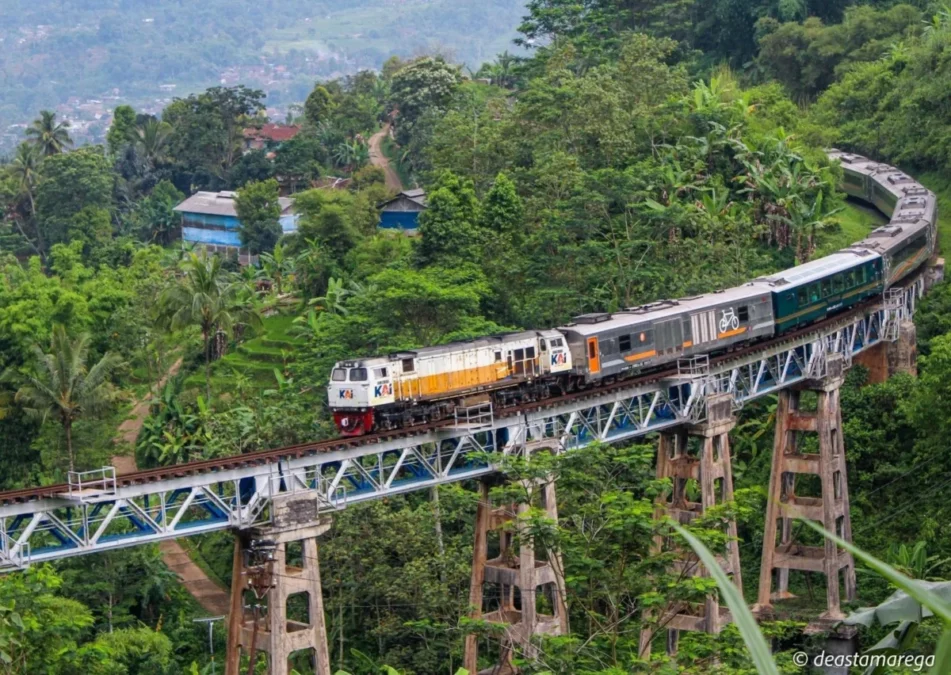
[96, 514]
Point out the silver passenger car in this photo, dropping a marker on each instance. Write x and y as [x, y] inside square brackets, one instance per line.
[638, 338]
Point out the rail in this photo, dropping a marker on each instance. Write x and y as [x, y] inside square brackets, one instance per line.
[46, 523]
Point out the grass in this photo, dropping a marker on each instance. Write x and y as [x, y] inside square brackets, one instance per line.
[257, 358]
[940, 184]
[855, 221]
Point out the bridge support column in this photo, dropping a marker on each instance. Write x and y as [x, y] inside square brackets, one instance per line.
[261, 573]
[511, 572]
[710, 466]
[888, 358]
[831, 508]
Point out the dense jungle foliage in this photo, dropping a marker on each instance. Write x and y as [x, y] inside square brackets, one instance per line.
[643, 150]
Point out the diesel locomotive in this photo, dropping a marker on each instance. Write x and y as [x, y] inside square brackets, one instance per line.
[428, 384]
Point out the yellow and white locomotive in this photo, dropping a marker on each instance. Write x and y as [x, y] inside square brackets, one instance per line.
[427, 384]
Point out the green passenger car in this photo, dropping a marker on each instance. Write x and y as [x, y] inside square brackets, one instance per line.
[811, 292]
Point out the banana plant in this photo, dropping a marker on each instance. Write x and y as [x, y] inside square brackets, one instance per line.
[936, 604]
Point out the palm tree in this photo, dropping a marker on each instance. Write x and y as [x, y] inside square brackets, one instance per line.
[50, 136]
[25, 169]
[206, 298]
[62, 384]
[152, 137]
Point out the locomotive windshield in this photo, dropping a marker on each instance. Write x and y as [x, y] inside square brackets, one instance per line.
[358, 374]
[339, 375]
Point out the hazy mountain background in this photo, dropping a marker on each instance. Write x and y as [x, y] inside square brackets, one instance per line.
[83, 57]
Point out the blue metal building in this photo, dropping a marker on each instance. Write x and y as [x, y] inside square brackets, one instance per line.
[209, 219]
[402, 212]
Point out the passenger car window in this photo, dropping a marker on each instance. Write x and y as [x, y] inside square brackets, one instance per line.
[813, 292]
[624, 343]
[803, 297]
[743, 313]
[358, 374]
[826, 288]
[339, 375]
[837, 284]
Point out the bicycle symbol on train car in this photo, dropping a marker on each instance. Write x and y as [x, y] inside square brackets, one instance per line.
[729, 320]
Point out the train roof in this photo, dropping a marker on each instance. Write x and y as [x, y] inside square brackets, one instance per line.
[891, 236]
[487, 341]
[597, 323]
[818, 269]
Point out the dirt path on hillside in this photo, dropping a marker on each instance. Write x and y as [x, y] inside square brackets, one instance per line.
[377, 158]
[212, 597]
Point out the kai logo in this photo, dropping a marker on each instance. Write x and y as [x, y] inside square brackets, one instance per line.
[380, 390]
[345, 394]
[559, 358]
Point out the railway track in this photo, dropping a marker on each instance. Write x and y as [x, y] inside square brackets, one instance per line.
[264, 457]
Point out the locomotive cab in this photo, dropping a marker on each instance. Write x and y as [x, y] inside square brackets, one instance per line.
[355, 388]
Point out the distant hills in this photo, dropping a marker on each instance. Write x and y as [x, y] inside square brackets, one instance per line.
[86, 56]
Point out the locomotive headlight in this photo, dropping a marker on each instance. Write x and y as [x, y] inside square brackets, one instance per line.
[345, 422]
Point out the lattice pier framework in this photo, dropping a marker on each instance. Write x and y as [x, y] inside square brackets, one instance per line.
[511, 571]
[793, 457]
[262, 574]
[711, 467]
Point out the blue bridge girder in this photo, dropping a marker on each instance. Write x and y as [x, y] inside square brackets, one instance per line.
[207, 499]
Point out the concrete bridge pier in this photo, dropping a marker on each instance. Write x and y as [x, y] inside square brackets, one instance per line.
[888, 358]
[791, 461]
[513, 571]
[709, 465]
[263, 583]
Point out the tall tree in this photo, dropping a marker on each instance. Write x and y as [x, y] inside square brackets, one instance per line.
[50, 136]
[259, 210]
[319, 105]
[206, 298]
[207, 136]
[425, 85]
[502, 207]
[449, 226]
[25, 169]
[63, 385]
[70, 183]
[122, 132]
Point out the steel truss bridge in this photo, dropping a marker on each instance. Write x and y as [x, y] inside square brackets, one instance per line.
[98, 511]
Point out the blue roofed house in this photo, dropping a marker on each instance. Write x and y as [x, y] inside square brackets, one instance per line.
[210, 220]
[401, 213]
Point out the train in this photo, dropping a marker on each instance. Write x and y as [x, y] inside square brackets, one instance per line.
[431, 384]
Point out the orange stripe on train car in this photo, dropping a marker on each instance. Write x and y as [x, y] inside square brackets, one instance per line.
[731, 333]
[642, 355]
[457, 380]
[688, 343]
